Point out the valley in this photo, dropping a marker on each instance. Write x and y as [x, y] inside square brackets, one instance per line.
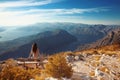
[57, 37]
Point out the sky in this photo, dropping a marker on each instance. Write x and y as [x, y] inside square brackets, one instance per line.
[26, 12]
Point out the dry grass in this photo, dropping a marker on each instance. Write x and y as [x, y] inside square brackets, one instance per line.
[95, 64]
[97, 57]
[92, 74]
[76, 79]
[104, 69]
[108, 50]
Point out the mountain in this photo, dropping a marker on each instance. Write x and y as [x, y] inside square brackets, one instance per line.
[83, 34]
[75, 29]
[113, 37]
[2, 29]
[23, 31]
[81, 31]
[48, 42]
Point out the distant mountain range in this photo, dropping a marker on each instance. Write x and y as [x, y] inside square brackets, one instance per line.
[56, 37]
[48, 42]
[2, 29]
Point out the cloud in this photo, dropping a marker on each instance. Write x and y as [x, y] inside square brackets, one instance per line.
[25, 12]
[31, 16]
[24, 3]
[53, 11]
[21, 12]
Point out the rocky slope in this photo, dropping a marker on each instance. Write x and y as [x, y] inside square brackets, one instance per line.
[97, 64]
[112, 37]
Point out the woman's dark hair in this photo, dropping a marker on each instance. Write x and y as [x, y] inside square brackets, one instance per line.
[34, 47]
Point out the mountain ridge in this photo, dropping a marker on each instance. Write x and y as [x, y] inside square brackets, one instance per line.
[81, 38]
[49, 43]
[113, 37]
